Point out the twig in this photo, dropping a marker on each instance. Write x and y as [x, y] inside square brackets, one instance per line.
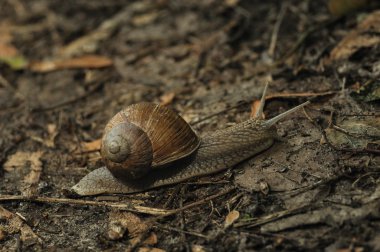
[276, 29]
[296, 95]
[355, 151]
[274, 216]
[361, 177]
[157, 225]
[267, 98]
[16, 223]
[120, 206]
[300, 190]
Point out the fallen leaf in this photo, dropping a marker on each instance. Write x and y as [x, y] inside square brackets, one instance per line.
[167, 98]
[86, 61]
[7, 50]
[14, 224]
[231, 3]
[342, 7]
[231, 218]
[264, 187]
[120, 222]
[197, 248]
[355, 133]
[365, 35]
[328, 215]
[254, 108]
[8, 53]
[52, 131]
[151, 240]
[2, 234]
[20, 160]
[91, 146]
[145, 249]
[144, 19]
[355, 249]
[16, 62]
[369, 92]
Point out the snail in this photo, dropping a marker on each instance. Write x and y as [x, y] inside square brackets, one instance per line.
[146, 146]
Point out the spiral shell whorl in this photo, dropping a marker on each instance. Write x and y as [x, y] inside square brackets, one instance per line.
[126, 150]
[116, 145]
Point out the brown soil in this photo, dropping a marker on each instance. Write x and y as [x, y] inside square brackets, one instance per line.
[319, 189]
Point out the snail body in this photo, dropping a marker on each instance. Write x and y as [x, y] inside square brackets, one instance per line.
[213, 153]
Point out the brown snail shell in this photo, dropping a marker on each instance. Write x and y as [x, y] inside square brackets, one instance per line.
[145, 136]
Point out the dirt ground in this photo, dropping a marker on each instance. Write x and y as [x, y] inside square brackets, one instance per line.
[66, 67]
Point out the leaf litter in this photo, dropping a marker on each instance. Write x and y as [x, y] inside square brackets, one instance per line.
[211, 61]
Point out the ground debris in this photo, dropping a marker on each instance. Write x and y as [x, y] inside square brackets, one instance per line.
[355, 133]
[121, 222]
[231, 218]
[85, 61]
[18, 162]
[15, 224]
[327, 215]
[365, 35]
[209, 61]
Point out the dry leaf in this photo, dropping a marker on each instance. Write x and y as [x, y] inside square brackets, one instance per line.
[355, 133]
[343, 7]
[16, 161]
[52, 131]
[197, 248]
[231, 3]
[145, 249]
[91, 146]
[20, 160]
[7, 50]
[86, 61]
[254, 108]
[8, 53]
[264, 187]
[231, 218]
[167, 98]
[120, 222]
[151, 240]
[365, 35]
[355, 249]
[2, 234]
[144, 19]
[15, 224]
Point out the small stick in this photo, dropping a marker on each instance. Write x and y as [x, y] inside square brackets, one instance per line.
[120, 206]
[276, 29]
